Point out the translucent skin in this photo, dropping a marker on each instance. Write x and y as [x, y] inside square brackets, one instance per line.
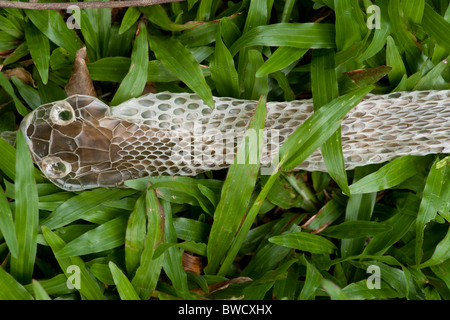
[81, 143]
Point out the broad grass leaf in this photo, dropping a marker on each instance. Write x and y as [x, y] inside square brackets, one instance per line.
[436, 26]
[39, 47]
[147, 274]
[318, 128]
[305, 242]
[323, 75]
[124, 286]
[223, 71]
[51, 23]
[134, 82]
[438, 179]
[26, 216]
[89, 287]
[234, 201]
[281, 58]
[6, 85]
[390, 175]
[82, 205]
[180, 62]
[130, 17]
[104, 237]
[355, 229]
[135, 235]
[7, 228]
[301, 35]
[11, 289]
[39, 291]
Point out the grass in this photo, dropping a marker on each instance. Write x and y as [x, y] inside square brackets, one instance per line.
[231, 233]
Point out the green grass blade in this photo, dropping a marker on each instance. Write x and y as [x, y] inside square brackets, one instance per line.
[39, 291]
[305, 242]
[88, 286]
[134, 82]
[312, 282]
[11, 289]
[436, 26]
[281, 58]
[394, 60]
[124, 286]
[223, 72]
[82, 205]
[147, 273]
[130, 17]
[180, 62]
[318, 128]
[390, 174]
[26, 213]
[39, 47]
[438, 177]
[6, 85]
[301, 35]
[51, 23]
[323, 75]
[254, 87]
[106, 236]
[355, 229]
[135, 235]
[234, 201]
[7, 225]
[440, 254]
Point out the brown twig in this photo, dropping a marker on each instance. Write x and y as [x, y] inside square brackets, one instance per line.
[81, 5]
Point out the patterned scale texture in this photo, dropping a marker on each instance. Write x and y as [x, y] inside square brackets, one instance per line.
[177, 134]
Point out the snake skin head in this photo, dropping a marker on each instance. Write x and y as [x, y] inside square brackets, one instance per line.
[70, 141]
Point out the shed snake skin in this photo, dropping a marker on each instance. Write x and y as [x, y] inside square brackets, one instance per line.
[81, 143]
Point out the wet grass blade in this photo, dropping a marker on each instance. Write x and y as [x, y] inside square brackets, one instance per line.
[234, 200]
[180, 62]
[134, 82]
[124, 286]
[26, 213]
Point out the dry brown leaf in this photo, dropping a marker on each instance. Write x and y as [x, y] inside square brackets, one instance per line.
[192, 263]
[80, 81]
[20, 73]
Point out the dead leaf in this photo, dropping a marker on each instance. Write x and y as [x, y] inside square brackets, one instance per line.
[80, 81]
[20, 73]
[192, 263]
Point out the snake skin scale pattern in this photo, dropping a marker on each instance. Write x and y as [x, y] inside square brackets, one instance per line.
[81, 143]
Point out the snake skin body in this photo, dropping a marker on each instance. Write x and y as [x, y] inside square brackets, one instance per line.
[81, 143]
